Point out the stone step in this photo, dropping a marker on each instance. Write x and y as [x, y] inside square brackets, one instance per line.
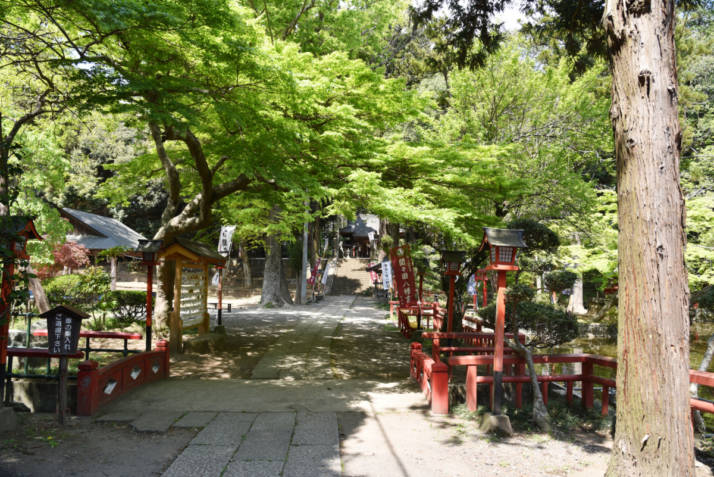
[351, 277]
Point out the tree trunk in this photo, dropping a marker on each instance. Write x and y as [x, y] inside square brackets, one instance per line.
[113, 273]
[575, 303]
[164, 297]
[654, 427]
[35, 285]
[247, 270]
[540, 412]
[275, 286]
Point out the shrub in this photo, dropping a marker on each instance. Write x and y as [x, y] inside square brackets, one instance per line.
[71, 255]
[88, 291]
[130, 305]
[560, 280]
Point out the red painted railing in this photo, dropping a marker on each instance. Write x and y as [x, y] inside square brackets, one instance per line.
[98, 386]
[424, 367]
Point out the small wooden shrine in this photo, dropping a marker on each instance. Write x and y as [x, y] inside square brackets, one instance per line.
[190, 307]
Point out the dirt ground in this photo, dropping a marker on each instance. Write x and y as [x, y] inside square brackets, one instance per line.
[40, 447]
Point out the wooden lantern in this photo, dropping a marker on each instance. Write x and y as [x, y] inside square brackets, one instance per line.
[23, 229]
[504, 245]
[452, 260]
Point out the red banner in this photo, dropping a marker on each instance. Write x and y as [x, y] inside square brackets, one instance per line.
[403, 272]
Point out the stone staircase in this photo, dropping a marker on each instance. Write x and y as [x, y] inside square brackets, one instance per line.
[351, 277]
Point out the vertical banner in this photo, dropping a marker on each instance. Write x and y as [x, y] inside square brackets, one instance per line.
[471, 286]
[404, 274]
[226, 240]
[386, 275]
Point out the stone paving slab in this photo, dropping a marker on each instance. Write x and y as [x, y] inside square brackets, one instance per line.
[315, 428]
[227, 428]
[274, 421]
[268, 438]
[256, 468]
[313, 461]
[155, 421]
[195, 419]
[264, 447]
[200, 461]
[118, 417]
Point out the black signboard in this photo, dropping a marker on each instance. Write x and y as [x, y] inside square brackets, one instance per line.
[63, 325]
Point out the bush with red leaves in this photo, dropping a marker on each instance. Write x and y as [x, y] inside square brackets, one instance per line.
[71, 255]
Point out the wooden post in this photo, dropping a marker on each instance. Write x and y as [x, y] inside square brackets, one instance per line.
[569, 392]
[440, 388]
[206, 323]
[220, 296]
[415, 348]
[87, 388]
[163, 346]
[498, 338]
[450, 322]
[471, 388]
[175, 338]
[587, 385]
[62, 390]
[485, 294]
[605, 400]
[5, 291]
[149, 302]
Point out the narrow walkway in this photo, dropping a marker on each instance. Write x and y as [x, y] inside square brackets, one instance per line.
[330, 396]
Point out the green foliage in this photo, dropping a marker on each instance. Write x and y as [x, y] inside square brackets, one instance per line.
[536, 235]
[130, 305]
[113, 252]
[88, 291]
[560, 280]
[547, 325]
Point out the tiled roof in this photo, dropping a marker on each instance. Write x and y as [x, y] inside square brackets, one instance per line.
[111, 232]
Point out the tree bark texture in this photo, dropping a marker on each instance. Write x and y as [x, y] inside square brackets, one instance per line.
[541, 418]
[164, 297]
[274, 283]
[654, 433]
[245, 263]
[575, 303]
[35, 286]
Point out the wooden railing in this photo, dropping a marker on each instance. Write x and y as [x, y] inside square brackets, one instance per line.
[98, 386]
[424, 367]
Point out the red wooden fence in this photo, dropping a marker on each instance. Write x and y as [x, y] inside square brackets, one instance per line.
[98, 386]
[433, 375]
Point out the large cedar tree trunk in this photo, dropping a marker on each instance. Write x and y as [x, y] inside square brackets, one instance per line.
[654, 429]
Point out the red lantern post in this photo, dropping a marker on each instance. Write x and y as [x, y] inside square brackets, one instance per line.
[149, 249]
[452, 266]
[20, 230]
[504, 245]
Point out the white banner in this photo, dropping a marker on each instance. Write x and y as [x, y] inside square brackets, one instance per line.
[325, 274]
[471, 285]
[226, 240]
[387, 274]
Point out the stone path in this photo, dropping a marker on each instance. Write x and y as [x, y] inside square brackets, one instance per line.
[331, 397]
